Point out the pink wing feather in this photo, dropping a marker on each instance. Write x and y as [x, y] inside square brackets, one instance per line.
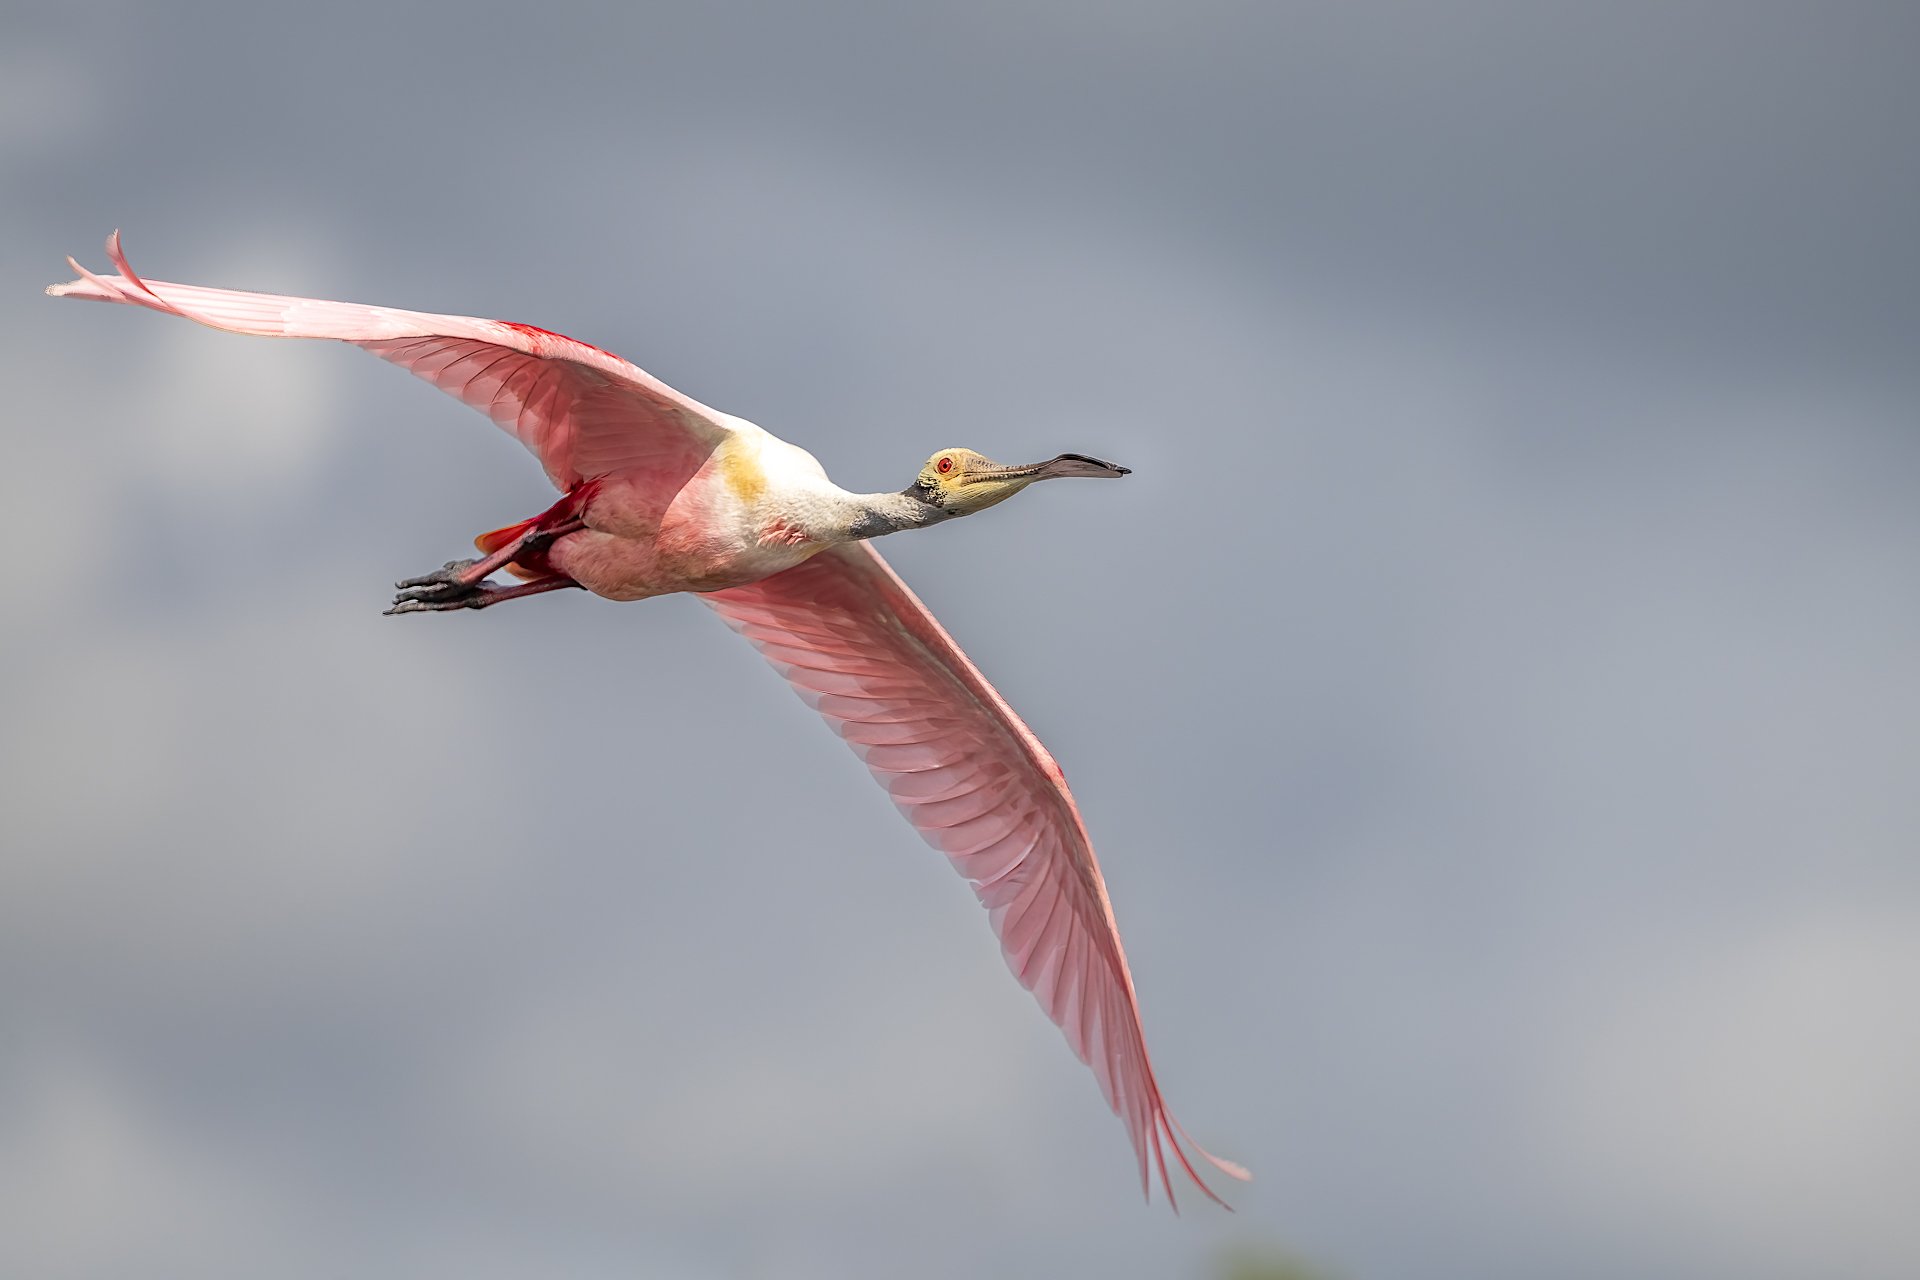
[972, 778]
[582, 411]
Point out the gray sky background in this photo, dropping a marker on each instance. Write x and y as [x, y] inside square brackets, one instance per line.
[1493, 695]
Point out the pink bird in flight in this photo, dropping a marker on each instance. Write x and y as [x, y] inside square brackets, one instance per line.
[663, 494]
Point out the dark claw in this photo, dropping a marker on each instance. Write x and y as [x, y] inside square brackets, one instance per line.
[416, 604]
[439, 591]
[441, 577]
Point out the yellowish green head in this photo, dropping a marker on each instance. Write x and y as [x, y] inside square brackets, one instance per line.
[961, 482]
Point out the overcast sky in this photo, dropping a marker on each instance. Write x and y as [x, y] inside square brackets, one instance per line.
[1493, 695]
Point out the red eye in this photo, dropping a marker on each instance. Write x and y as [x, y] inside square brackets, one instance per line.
[944, 465]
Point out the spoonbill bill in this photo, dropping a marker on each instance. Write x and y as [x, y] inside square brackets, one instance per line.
[663, 494]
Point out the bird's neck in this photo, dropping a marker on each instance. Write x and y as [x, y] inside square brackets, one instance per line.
[855, 517]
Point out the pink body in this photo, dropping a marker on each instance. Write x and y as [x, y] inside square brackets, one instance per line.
[679, 497]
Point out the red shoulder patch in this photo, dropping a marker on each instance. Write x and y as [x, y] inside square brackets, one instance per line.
[535, 331]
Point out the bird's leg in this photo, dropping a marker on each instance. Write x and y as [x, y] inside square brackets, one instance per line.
[477, 596]
[463, 575]
[459, 584]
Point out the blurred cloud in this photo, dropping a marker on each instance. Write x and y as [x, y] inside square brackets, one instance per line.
[1722, 1089]
[80, 1152]
[1508, 814]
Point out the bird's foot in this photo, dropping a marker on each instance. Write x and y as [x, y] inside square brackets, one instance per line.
[448, 587]
[456, 587]
[451, 574]
[471, 598]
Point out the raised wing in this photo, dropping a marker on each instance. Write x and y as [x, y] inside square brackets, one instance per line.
[582, 411]
[972, 778]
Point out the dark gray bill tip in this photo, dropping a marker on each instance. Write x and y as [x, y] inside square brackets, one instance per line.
[1079, 464]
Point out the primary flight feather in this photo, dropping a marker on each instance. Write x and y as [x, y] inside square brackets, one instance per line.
[662, 494]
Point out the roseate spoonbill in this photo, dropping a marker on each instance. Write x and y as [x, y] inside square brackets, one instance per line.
[663, 494]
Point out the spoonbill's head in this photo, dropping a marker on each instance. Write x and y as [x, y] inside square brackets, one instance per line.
[961, 482]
